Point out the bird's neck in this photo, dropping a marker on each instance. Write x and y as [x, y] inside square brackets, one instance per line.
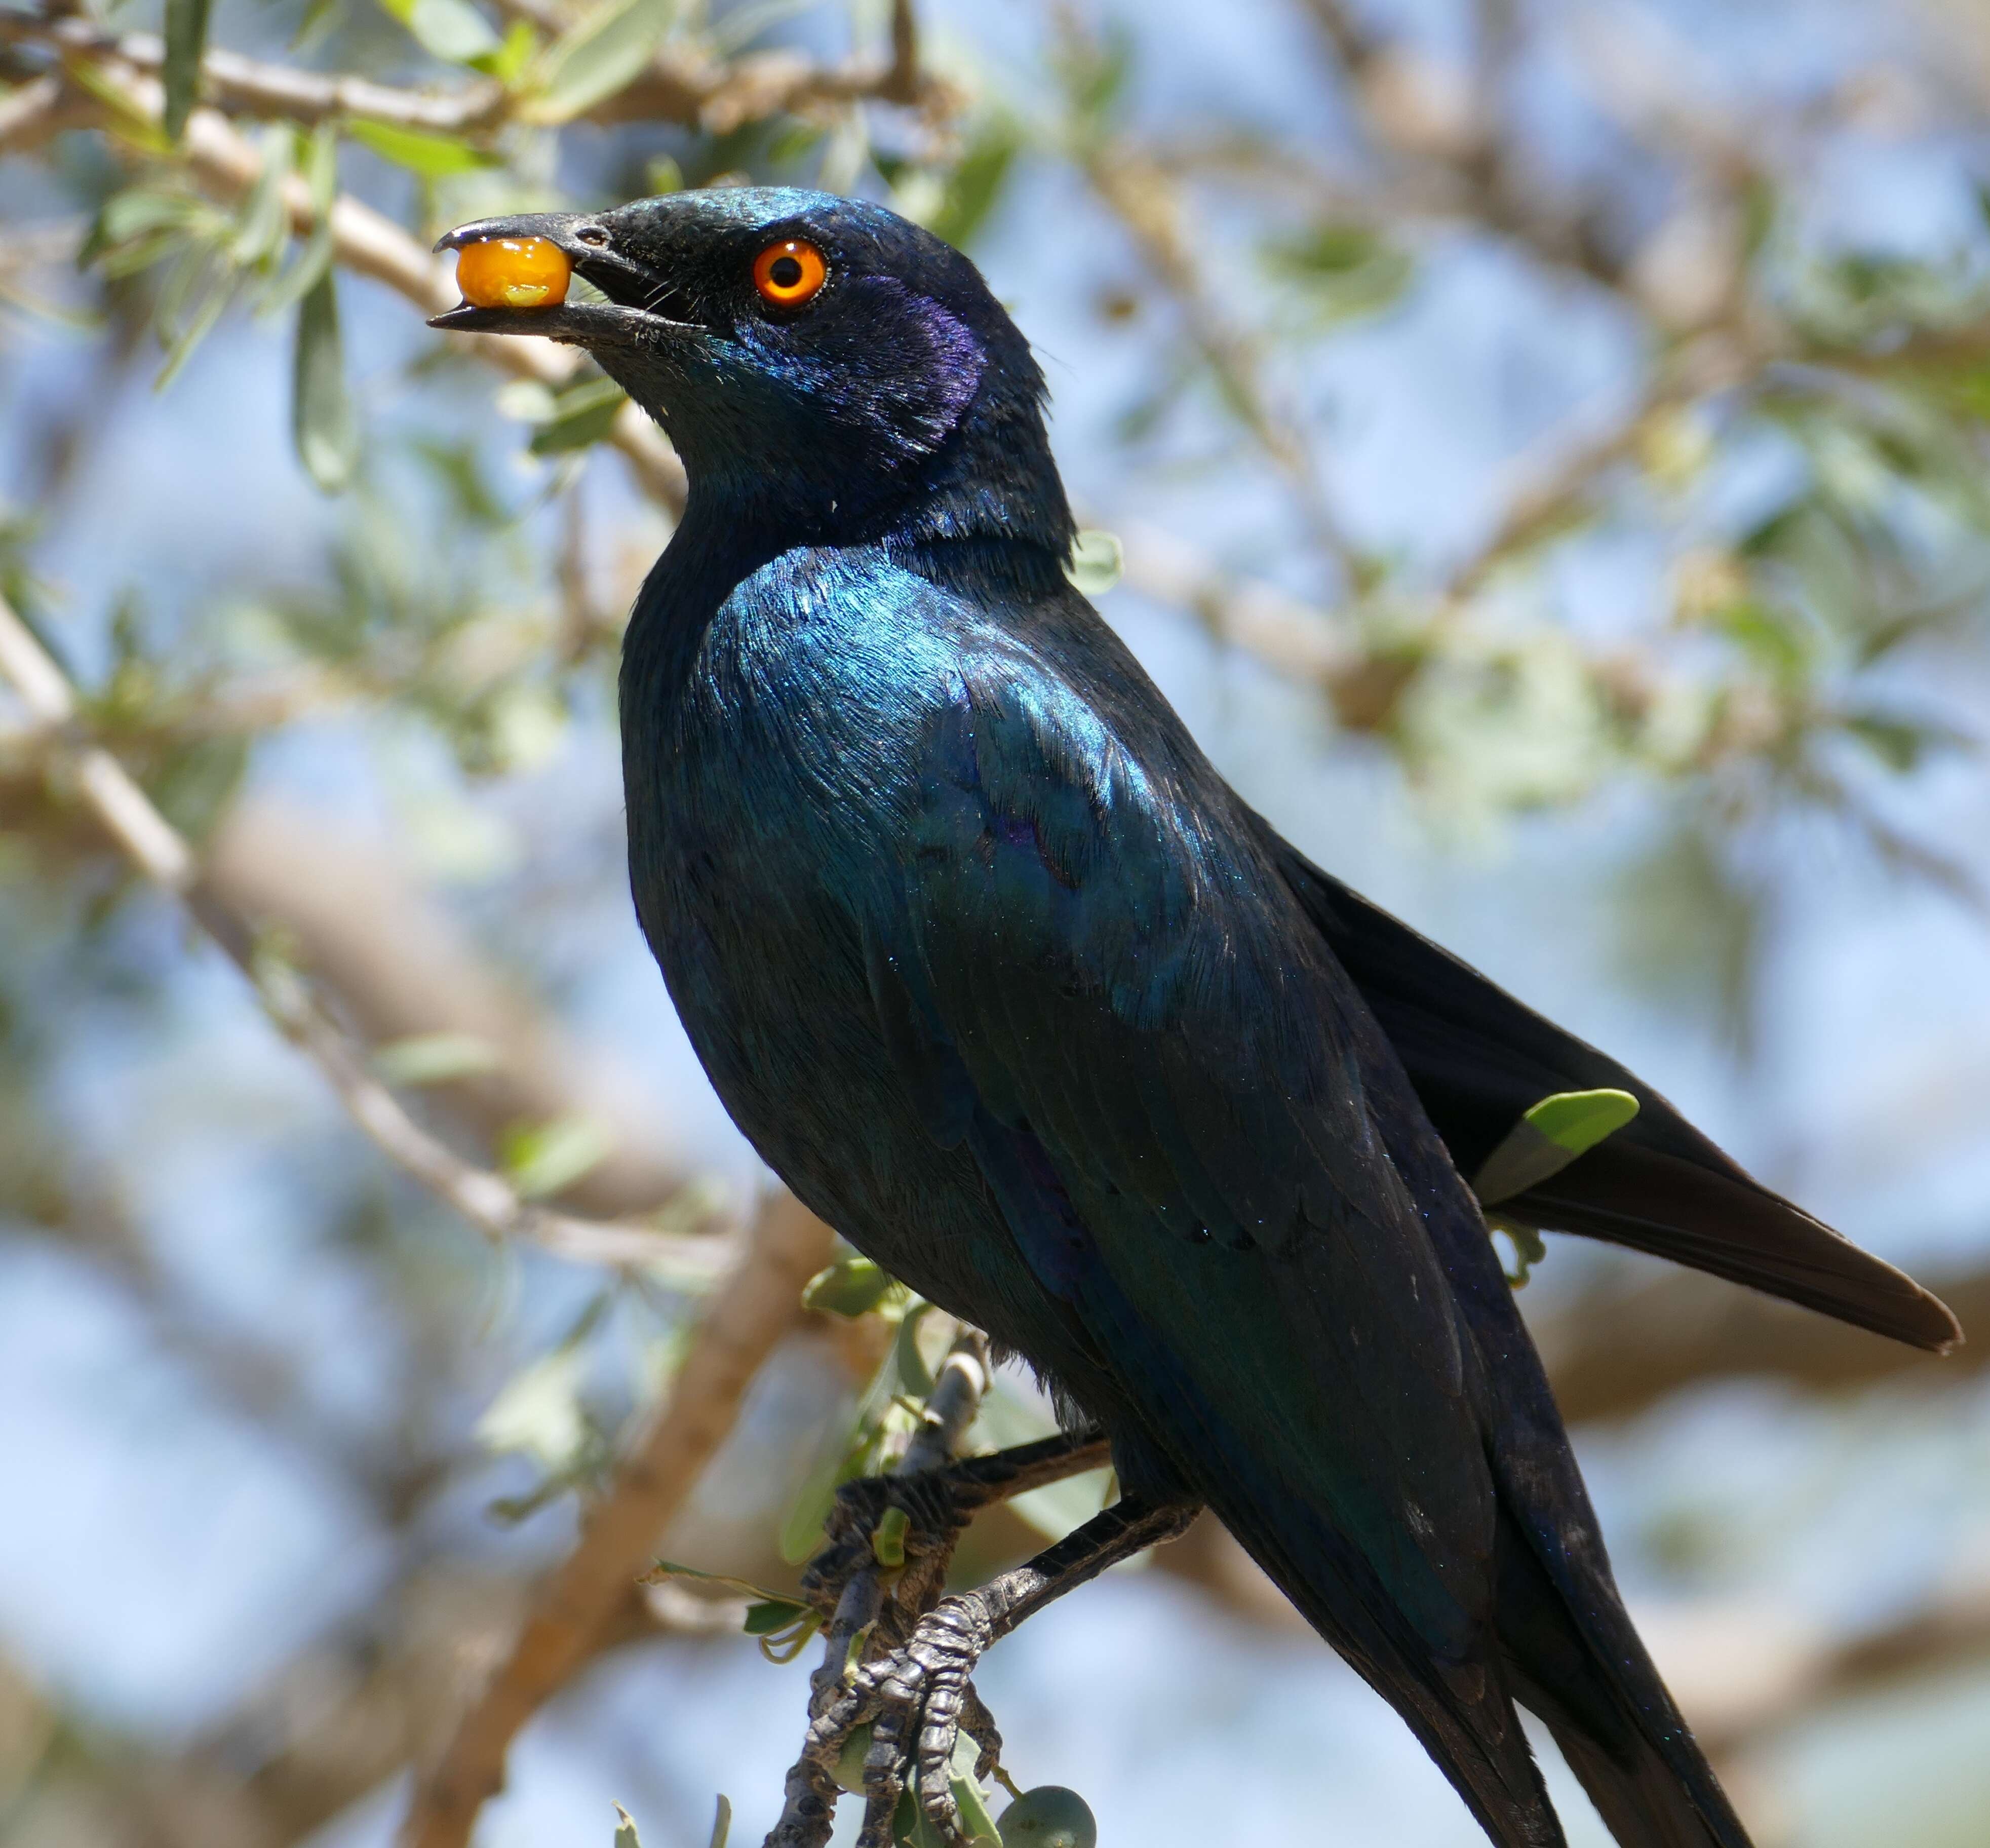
[988, 512]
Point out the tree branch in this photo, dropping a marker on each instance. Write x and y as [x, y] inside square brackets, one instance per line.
[235, 84]
[751, 1312]
[368, 244]
[401, 968]
[157, 850]
[1614, 1351]
[682, 84]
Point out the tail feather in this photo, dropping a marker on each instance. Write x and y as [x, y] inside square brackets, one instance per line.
[1462, 1715]
[1477, 1058]
[1649, 1797]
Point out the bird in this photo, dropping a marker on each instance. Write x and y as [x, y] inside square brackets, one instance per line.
[998, 973]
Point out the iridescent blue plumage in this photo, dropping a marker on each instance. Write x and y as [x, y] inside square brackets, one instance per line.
[1004, 980]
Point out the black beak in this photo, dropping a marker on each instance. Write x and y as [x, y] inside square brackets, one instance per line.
[630, 317]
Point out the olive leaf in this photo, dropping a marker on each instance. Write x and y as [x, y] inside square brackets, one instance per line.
[541, 1159]
[1548, 1138]
[434, 157]
[186, 43]
[452, 30]
[604, 53]
[323, 422]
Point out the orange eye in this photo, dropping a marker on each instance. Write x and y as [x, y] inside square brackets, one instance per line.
[512, 272]
[790, 274]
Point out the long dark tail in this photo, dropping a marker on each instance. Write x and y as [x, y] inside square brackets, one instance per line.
[1613, 1720]
[1462, 1714]
[1566, 1648]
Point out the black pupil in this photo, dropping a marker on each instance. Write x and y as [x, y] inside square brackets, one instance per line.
[785, 272]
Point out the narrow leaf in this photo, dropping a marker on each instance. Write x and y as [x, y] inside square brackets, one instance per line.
[771, 1615]
[434, 157]
[186, 41]
[914, 1374]
[510, 60]
[976, 184]
[604, 53]
[320, 171]
[1096, 562]
[721, 1824]
[852, 1286]
[544, 1158]
[1548, 1138]
[625, 1830]
[322, 422]
[585, 414]
[434, 1058]
[263, 227]
[452, 30]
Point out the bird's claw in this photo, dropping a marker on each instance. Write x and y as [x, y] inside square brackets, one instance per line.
[917, 1701]
[932, 1506]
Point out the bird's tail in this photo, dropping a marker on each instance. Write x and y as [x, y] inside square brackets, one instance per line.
[1461, 1713]
[1608, 1710]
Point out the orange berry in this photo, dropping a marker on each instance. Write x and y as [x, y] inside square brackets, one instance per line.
[513, 273]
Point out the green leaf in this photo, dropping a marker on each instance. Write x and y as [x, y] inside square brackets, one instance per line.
[721, 1823]
[508, 63]
[851, 1286]
[1548, 1138]
[976, 1823]
[671, 1568]
[434, 1058]
[322, 421]
[540, 1159]
[452, 30]
[912, 1830]
[887, 1539]
[1097, 560]
[801, 1528]
[584, 415]
[434, 157]
[1006, 1418]
[538, 1413]
[976, 184]
[625, 1830]
[1341, 271]
[321, 170]
[914, 1376]
[128, 122]
[604, 53]
[771, 1614]
[186, 41]
[200, 280]
[263, 228]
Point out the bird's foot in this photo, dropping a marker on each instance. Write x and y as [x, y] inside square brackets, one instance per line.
[903, 1525]
[918, 1704]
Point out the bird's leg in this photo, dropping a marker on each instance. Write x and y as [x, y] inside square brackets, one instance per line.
[936, 1505]
[869, 1607]
[916, 1697]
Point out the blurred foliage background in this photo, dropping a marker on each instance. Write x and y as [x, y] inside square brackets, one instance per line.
[1541, 447]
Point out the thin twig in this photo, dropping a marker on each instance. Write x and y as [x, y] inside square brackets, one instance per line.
[682, 84]
[740, 1329]
[368, 244]
[158, 850]
[234, 83]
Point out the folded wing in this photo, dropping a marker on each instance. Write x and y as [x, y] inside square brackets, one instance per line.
[1478, 1059]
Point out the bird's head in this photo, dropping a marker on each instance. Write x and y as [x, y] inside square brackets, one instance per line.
[828, 371]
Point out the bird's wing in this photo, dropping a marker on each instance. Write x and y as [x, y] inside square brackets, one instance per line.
[1098, 984]
[1478, 1059]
